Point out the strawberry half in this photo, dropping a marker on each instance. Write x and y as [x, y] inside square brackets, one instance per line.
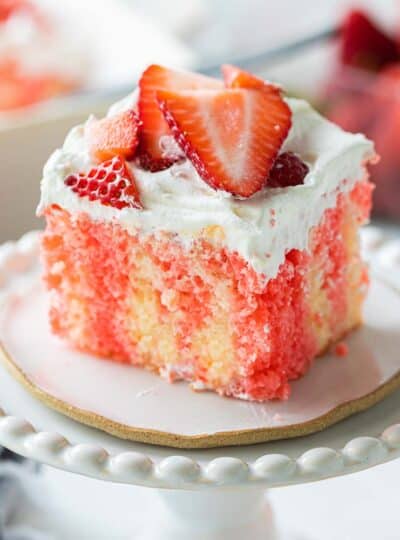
[364, 45]
[112, 183]
[231, 136]
[235, 77]
[154, 126]
[113, 136]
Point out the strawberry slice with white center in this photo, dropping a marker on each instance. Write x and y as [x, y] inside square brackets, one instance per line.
[232, 136]
[154, 126]
[235, 77]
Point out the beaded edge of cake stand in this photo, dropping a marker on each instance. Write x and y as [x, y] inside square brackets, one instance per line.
[178, 471]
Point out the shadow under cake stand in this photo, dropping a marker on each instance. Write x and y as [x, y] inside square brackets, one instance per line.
[215, 493]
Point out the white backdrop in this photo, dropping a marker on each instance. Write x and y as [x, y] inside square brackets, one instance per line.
[219, 28]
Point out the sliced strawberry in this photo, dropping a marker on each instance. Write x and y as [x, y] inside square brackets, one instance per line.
[235, 77]
[365, 45]
[288, 170]
[154, 126]
[113, 136]
[231, 136]
[112, 183]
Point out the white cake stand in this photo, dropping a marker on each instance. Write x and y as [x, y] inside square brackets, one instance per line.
[209, 494]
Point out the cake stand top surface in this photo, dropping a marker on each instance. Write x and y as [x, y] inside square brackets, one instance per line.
[32, 429]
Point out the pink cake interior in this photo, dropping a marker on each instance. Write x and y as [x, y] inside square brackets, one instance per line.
[202, 313]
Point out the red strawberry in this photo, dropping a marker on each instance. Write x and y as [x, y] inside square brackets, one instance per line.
[364, 45]
[112, 183]
[348, 113]
[231, 136]
[385, 133]
[9, 7]
[157, 78]
[235, 77]
[20, 90]
[113, 136]
[288, 170]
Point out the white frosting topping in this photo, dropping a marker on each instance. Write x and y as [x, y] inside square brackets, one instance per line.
[40, 49]
[262, 228]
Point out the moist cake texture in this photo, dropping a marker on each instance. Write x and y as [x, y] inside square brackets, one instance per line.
[236, 289]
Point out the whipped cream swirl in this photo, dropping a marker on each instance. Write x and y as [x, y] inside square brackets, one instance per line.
[261, 228]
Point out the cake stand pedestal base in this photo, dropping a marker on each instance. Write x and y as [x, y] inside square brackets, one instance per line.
[215, 514]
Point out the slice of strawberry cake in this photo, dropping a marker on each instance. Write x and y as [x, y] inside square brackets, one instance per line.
[207, 230]
[37, 61]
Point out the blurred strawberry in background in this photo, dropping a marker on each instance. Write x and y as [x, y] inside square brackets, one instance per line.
[364, 45]
[363, 95]
[53, 47]
[28, 69]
